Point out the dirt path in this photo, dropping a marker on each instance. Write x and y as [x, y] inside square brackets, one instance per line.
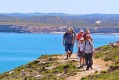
[98, 65]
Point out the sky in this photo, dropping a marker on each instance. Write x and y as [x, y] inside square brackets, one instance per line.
[60, 6]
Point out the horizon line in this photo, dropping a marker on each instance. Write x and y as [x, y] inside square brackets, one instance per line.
[52, 13]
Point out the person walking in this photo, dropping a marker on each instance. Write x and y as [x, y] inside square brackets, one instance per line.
[68, 42]
[73, 32]
[79, 35]
[87, 32]
[80, 51]
[74, 37]
[88, 50]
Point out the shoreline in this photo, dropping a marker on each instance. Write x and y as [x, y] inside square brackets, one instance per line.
[48, 66]
[77, 33]
[53, 33]
[57, 34]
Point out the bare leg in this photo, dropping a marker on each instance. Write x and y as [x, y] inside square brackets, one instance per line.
[70, 54]
[81, 62]
[67, 55]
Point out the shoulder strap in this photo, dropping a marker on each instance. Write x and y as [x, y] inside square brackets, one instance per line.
[89, 44]
[85, 45]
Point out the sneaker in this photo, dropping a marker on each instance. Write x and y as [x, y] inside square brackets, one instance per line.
[91, 67]
[87, 69]
[66, 59]
[81, 66]
[84, 64]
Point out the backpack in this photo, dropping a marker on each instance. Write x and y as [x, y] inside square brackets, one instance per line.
[89, 44]
[74, 35]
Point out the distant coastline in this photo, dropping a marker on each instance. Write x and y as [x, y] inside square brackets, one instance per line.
[77, 33]
[57, 32]
[52, 29]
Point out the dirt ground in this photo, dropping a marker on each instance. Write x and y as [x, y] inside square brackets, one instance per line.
[98, 66]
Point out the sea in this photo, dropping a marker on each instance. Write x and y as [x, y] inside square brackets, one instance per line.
[17, 49]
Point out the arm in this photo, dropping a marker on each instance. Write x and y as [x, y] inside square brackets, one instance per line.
[63, 41]
[83, 47]
[78, 44]
[73, 41]
[92, 46]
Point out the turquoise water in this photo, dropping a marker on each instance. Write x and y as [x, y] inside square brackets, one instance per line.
[18, 49]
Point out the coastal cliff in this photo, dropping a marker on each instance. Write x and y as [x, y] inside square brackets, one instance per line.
[57, 22]
[51, 29]
[54, 67]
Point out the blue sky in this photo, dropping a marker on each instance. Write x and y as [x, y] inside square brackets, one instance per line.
[60, 6]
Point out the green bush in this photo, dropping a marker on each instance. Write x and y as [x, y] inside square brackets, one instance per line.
[99, 55]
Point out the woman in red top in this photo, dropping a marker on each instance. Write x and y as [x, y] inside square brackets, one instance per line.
[79, 35]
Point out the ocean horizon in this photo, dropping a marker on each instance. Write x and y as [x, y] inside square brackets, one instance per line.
[17, 49]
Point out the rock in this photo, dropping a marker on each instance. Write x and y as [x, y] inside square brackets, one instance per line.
[50, 68]
[38, 76]
[42, 62]
[11, 72]
[23, 73]
[115, 44]
[27, 66]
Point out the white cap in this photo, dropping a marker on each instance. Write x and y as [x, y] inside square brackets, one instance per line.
[81, 30]
[69, 29]
[87, 30]
[81, 38]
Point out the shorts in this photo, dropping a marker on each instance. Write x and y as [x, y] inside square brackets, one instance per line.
[68, 47]
[81, 54]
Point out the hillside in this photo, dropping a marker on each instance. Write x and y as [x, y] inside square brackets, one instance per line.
[59, 19]
[57, 22]
[54, 67]
[107, 53]
[46, 29]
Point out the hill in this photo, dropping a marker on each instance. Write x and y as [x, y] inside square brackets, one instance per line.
[57, 22]
[54, 67]
[107, 53]
[59, 19]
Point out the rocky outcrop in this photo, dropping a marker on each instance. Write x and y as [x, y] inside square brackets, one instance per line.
[48, 29]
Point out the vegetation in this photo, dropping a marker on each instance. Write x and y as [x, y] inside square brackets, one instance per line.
[57, 22]
[107, 53]
[48, 67]
[58, 19]
[44, 68]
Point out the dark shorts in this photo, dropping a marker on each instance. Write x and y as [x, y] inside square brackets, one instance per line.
[68, 47]
[81, 54]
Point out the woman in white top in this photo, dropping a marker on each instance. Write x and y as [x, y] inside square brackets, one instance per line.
[80, 45]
